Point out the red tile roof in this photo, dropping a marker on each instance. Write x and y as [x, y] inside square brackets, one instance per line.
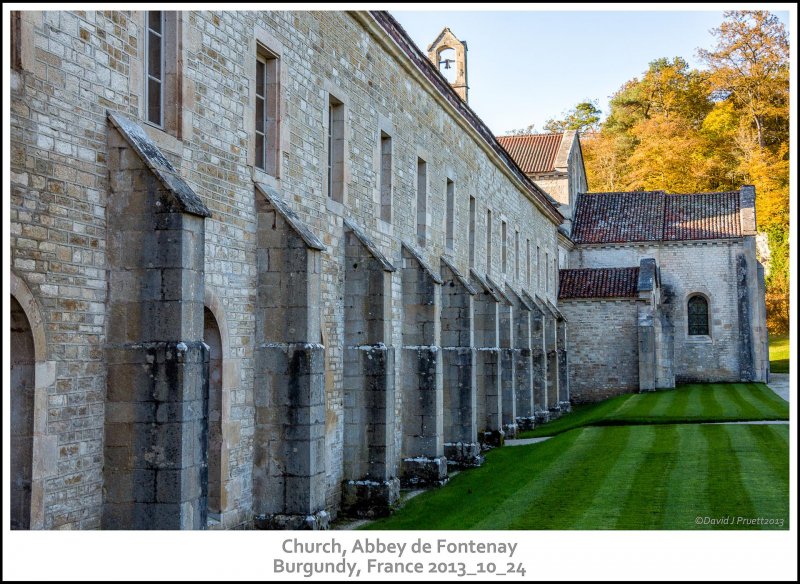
[655, 216]
[598, 283]
[534, 153]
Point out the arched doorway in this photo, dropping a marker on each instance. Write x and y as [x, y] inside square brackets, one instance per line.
[23, 369]
[213, 338]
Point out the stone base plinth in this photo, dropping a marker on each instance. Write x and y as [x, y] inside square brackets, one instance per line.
[524, 424]
[510, 430]
[565, 407]
[492, 439]
[421, 471]
[368, 498]
[463, 454]
[541, 416]
[315, 522]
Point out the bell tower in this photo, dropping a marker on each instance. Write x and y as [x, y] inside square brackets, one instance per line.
[449, 55]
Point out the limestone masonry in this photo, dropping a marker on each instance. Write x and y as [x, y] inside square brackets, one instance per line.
[269, 267]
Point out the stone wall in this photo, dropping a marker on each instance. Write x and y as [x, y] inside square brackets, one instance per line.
[705, 267]
[603, 340]
[76, 66]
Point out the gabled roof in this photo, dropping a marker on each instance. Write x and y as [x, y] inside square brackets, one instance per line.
[534, 153]
[620, 217]
[598, 283]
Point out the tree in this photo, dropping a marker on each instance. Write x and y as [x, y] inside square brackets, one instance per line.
[684, 130]
[668, 88]
[522, 131]
[584, 117]
[750, 65]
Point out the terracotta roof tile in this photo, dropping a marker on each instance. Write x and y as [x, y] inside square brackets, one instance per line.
[534, 153]
[702, 216]
[598, 283]
[655, 216]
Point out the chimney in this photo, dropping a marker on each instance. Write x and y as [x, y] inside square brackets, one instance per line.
[747, 209]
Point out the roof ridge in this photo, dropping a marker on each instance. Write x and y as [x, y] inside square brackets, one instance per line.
[530, 135]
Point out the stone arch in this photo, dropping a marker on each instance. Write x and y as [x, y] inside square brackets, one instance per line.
[215, 335]
[37, 374]
[22, 406]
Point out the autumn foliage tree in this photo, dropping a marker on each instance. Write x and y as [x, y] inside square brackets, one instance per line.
[685, 130]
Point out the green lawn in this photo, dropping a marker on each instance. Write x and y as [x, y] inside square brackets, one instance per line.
[713, 402]
[779, 354]
[621, 477]
[598, 473]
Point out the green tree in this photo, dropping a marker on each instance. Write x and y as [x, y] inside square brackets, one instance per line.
[584, 117]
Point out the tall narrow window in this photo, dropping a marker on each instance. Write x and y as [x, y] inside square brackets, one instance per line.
[698, 316]
[504, 245]
[422, 202]
[335, 149]
[451, 212]
[16, 40]
[546, 271]
[472, 232]
[261, 113]
[538, 268]
[155, 67]
[555, 277]
[488, 240]
[266, 106]
[528, 260]
[386, 177]
[516, 255]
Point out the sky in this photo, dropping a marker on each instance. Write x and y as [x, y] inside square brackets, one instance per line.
[525, 67]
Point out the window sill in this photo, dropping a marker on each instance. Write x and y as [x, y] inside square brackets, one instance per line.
[334, 207]
[385, 227]
[262, 177]
[164, 140]
[699, 339]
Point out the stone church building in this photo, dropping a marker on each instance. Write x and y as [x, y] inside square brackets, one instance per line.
[266, 267]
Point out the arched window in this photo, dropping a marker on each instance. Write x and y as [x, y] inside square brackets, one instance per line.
[22, 416]
[698, 316]
[213, 338]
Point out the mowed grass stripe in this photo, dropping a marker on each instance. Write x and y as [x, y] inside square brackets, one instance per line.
[536, 494]
[764, 472]
[769, 399]
[667, 404]
[725, 491]
[685, 485]
[476, 493]
[583, 415]
[605, 508]
[709, 404]
[569, 488]
[689, 403]
[742, 400]
[644, 507]
[639, 406]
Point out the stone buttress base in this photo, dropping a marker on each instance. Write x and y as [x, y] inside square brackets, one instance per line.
[370, 498]
[421, 471]
[463, 454]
